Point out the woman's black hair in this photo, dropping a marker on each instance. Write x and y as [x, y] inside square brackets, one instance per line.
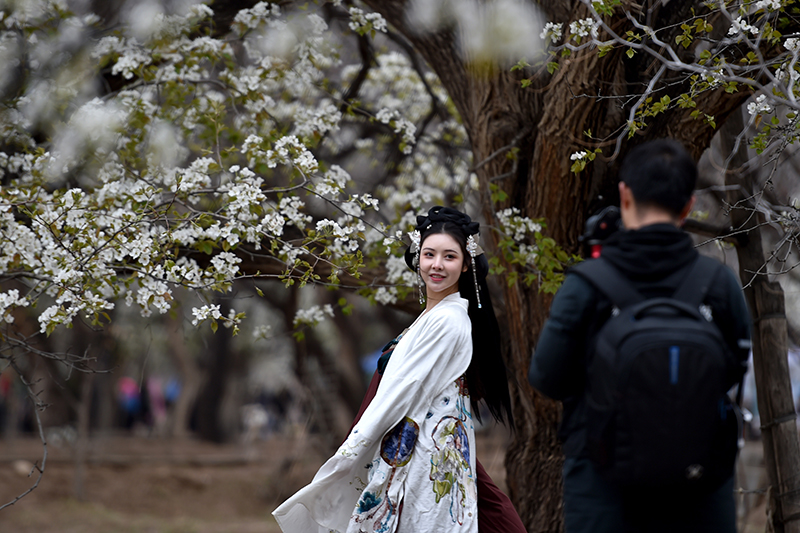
[486, 375]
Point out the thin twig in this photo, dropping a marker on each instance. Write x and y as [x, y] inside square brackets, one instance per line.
[37, 406]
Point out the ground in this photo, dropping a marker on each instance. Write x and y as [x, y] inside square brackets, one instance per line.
[148, 485]
[135, 484]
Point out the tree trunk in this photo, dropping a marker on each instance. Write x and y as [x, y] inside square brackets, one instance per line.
[350, 378]
[82, 440]
[217, 371]
[770, 338]
[180, 415]
[82, 403]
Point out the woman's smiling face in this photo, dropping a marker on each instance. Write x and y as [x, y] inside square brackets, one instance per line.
[441, 262]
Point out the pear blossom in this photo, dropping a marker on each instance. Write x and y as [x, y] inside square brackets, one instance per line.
[204, 313]
[359, 19]
[552, 31]
[583, 28]
[9, 300]
[511, 221]
[313, 315]
[760, 106]
[770, 5]
[739, 26]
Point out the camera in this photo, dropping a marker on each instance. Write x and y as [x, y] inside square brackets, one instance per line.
[599, 227]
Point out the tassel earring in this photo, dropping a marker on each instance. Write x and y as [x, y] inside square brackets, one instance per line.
[472, 248]
[420, 284]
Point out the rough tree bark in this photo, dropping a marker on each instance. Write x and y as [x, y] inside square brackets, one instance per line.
[765, 300]
[546, 122]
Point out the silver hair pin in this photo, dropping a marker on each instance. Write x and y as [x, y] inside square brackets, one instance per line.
[472, 248]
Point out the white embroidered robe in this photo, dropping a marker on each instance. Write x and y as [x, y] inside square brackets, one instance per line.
[414, 445]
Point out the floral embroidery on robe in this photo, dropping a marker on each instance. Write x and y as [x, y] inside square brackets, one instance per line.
[409, 463]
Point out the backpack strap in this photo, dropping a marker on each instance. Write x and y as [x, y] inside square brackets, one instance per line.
[608, 280]
[697, 282]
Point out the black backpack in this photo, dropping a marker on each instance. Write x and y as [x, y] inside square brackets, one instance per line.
[657, 410]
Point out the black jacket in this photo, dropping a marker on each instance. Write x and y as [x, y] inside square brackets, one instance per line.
[655, 259]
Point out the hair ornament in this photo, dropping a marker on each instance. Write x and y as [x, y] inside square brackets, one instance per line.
[415, 237]
[474, 250]
[472, 246]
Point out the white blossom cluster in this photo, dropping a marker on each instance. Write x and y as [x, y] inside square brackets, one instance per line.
[204, 313]
[345, 240]
[262, 331]
[290, 151]
[577, 156]
[400, 125]
[291, 209]
[584, 28]
[132, 57]
[714, 78]
[787, 71]
[781, 74]
[497, 31]
[366, 21]
[770, 5]
[313, 315]
[396, 85]
[199, 154]
[760, 106]
[333, 183]
[739, 26]
[212, 312]
[8, 301]
[253, 17]
[317, 121]
[513, 224]
[552, 31]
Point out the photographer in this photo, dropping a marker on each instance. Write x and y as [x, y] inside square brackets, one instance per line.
[652, 258]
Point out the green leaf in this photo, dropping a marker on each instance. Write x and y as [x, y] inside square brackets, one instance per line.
[521, 64]
[630, 52]
[206, 246]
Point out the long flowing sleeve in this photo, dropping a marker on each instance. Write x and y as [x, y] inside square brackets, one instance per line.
[428, 359]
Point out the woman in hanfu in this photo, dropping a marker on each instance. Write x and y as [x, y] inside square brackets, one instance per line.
[408, 464]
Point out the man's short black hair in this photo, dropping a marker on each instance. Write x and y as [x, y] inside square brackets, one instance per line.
[660, 173]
